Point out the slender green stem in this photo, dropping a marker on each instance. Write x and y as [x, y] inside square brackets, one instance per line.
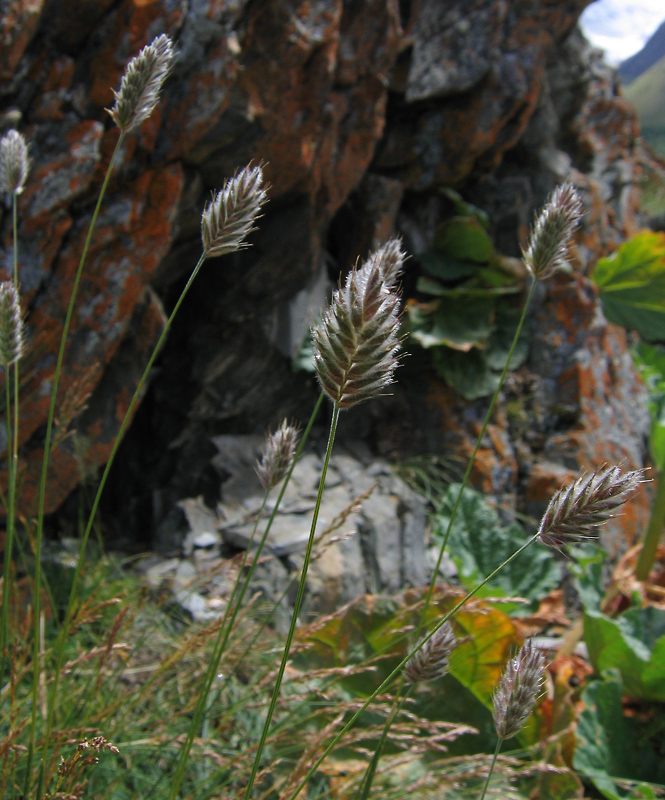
[371, 769]
[12, 456]
[489, 774]
[387, 681]
[368, 778]
[213, 665]
[233, 608]
[42, 482]
[225, 629]
[469, 468]
[296, 610]
[16, 363]
[653, 532]
[116, 444]
[9, 542]
[259, 549]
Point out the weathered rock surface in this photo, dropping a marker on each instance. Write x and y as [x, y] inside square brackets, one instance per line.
[362, 112]
[370, 534]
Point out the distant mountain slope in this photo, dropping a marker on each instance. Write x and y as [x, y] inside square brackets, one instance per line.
[653, 51]
[647, 94]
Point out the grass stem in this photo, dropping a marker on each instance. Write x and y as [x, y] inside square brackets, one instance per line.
[371, 769]
[45, 463]
[12, 472]
[296, 609]
[398, 669]
[499, 742]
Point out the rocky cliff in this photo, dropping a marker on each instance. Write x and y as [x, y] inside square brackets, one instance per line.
[363, 112]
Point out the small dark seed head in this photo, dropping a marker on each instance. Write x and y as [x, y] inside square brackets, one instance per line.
[518, 690]
[552, 232]
[433, 658]
[577, 511]
[229, 217]
[141, 84]
[356, 343]
[277, 455]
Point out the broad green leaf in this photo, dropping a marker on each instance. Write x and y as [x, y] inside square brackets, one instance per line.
[633, 644]
[464, 239]
[479, 543]
[378, 625]
[498, 278]
[445, 268]
[613, 749]
[631, 283]
[466, 293]
[501, 339]
[464, 208]
[460, 323]
[587, 567]
[474, 372]
[467, 373]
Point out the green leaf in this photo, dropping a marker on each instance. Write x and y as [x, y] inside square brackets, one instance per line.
[612, 748]
[587, 567]
[501, 340]
[479, 543]
[631, 283]
[465, 209]
[464, 239]
[383, 626]
[633, 644]
[445, 268]
[499, 279]
[467, 373]
[460, 325]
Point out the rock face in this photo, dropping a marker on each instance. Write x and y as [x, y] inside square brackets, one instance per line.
[362, 112]
[370, 534]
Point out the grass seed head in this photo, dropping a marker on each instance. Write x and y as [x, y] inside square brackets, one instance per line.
[577, 511]
[390, 258]
[141, 83]
[552, 232]
[229, 217]
[13, 163]
[277, 455]
[433, 658]
[11, 324]
[518, 691]
[356, 343]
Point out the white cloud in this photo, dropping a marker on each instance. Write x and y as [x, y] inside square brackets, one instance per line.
[621, 28]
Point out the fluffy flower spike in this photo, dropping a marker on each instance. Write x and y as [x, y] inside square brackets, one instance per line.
[229, 218]
[552, 232]
[11, 325]
[390, 258]
[356, 343]
[433, 658]
[13, 163]
[141, 84]
[277, 455]
[518, 691]
[577, 511]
